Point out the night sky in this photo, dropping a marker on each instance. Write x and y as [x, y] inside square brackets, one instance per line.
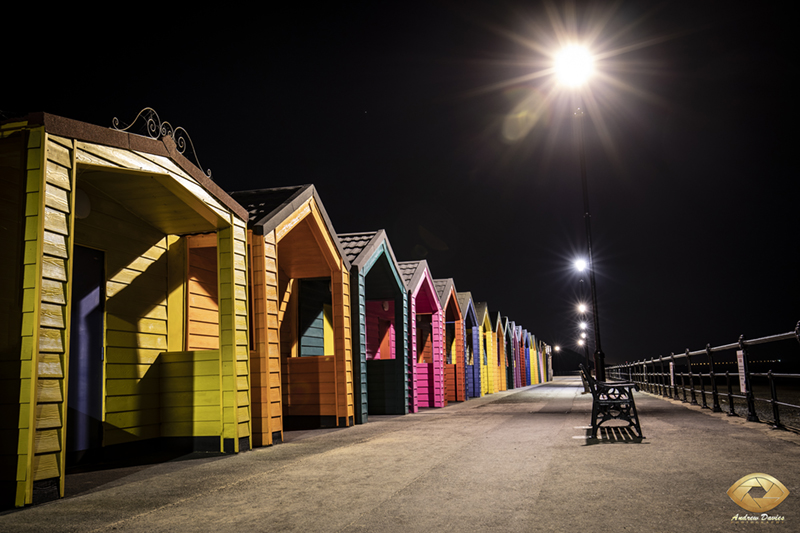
[407, 117]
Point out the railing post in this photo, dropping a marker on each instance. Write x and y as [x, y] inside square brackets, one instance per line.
[714, 393]
[691, 377]
[751, 403]
[702, 390]
[775, 408]
[654, 381]
[675, 395]
[664, 385]
[683, 387]
[731, 412]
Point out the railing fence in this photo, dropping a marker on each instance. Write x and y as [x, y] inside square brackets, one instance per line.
[682, 377]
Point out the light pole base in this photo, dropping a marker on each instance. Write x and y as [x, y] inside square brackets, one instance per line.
[600, 365]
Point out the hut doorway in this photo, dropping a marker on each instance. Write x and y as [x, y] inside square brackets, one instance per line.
[85, 393]
[385, 340]
[426, 383]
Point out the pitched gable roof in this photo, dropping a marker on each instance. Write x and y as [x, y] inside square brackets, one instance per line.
[360, 247]
[268, 208]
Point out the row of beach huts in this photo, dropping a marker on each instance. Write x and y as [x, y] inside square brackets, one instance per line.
[143, 307]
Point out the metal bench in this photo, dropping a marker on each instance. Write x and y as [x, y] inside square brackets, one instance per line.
[612, 401]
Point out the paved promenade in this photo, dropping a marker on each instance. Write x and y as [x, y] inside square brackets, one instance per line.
[514, 461]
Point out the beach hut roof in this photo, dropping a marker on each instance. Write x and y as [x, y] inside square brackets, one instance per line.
[268, 208]
[164, 146]
[412, 272]
[467, 306]
[443, 289]
[360, 247]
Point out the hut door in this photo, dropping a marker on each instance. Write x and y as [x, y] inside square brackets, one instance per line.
[85, 396]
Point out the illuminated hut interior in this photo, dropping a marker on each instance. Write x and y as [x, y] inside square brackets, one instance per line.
[302, 375]
[471, 346]
[130, 271]
[455, 390]
[425, 337]
[380, 342]
[485, 345]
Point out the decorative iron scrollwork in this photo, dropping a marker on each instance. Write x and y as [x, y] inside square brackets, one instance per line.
[155, 129]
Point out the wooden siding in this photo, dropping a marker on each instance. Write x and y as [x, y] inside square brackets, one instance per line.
[343, 339]
[309, 386]
[484, 341]
[361, 343]
[191, 394]
[234, 337]
[265, 361]
[202, 302]
[476, 366]
[413, 405]
[47, 237]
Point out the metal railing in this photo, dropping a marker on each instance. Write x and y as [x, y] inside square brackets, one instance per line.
[682, 377]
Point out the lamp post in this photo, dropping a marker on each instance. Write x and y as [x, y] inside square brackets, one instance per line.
[573, 66]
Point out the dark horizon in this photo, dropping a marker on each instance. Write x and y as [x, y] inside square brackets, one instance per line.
[400, 114]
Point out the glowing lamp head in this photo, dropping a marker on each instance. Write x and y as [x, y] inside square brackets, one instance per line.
[580, 342]
[582, 308]
[583, 325]
[580, 265]
[573, 65]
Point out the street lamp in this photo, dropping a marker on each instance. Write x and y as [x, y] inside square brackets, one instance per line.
[573, 66]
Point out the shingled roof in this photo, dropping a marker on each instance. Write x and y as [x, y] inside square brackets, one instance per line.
[360, 247]
[354, 244]
[412, 271]
[268, 208]
[443, 288]
[467, 306]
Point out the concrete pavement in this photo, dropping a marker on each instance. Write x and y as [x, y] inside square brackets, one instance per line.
[513, 461]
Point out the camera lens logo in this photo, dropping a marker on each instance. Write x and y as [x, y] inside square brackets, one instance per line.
[758, 493]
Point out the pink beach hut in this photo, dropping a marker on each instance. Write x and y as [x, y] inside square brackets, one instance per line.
[426, 365]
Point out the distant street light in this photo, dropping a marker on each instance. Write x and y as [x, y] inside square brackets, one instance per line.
[580, 265]
[573, 66]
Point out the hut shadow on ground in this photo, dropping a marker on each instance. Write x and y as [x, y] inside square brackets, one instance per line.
[85, 478]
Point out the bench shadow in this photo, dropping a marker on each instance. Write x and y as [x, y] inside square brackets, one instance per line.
[613, 435]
